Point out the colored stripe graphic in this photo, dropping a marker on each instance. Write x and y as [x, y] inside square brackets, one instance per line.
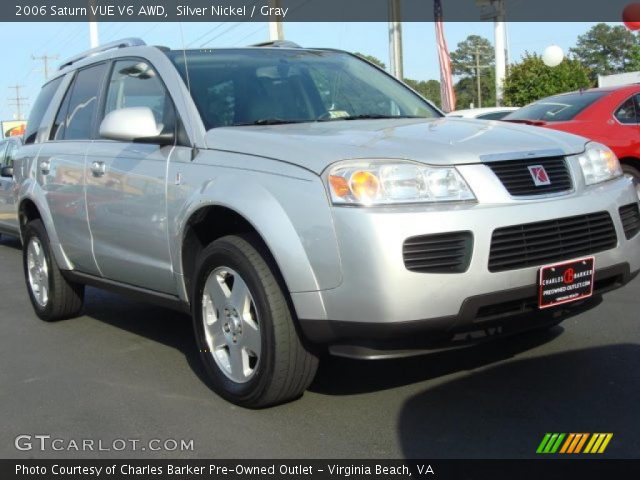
[598, 443]
[573, 443]
[550, 443]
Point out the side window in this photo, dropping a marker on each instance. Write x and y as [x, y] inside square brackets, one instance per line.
[3, 148]
[39, 109]
[9, 154]
[60, 123]
[134, 83]
[626, 113]
[83, 102]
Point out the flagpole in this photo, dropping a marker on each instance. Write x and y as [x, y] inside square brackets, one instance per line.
[395, 39]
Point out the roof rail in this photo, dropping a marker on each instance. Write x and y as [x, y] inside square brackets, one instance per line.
[125, 42]
[277, 44]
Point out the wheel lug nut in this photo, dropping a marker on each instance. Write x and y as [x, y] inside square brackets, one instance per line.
[226, 328]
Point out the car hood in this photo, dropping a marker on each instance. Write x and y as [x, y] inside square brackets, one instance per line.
[441, 141]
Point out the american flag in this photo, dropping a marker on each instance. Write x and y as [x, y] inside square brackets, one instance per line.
[447, 94]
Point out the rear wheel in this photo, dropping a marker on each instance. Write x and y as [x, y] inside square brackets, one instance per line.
[244, 326]
[53, 297]
[632, 173]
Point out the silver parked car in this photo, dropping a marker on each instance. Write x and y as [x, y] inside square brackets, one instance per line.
[294, 200]
[8, 214]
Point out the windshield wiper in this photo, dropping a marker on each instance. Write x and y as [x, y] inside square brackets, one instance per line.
[269, 121]
[368, 116]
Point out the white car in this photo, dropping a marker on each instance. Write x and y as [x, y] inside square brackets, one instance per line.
[489, 113]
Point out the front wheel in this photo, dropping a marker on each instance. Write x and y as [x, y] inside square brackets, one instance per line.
[53, 297]
[244, 326]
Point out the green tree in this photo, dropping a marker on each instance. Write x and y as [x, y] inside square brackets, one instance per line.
[429, 89]
[607, 49]
[467, 91]
[531, 79]
[475, 51]
[463, 58]
[372, 59]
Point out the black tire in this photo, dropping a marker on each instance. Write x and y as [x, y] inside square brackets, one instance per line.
[286, 367]
[65, 298]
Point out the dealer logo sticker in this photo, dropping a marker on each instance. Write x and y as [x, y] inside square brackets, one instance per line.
[539, 175]
[564, 443]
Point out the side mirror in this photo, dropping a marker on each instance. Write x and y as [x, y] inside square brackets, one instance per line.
[134, 124]
[6, 172]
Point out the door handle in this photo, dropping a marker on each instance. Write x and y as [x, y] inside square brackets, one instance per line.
[98, 168]
[45, 167]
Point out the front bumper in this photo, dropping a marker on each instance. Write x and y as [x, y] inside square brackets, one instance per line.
[379, 297]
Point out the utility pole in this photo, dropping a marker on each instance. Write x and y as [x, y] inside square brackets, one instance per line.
[45, 63]
[94, 40]
[17, 101]
[395, 39]
[478, 78]
[501, 51]
[276, 31]
[495, 10]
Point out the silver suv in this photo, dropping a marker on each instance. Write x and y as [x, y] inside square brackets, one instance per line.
[297, 200]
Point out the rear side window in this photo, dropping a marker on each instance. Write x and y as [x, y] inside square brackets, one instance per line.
[493, 115]
[560, 108]
[39, 109]
[83, 102]
[10, 153]
[3, 147]
[627, 113]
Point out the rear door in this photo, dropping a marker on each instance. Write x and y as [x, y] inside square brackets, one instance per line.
[126, 185]
[61, 165]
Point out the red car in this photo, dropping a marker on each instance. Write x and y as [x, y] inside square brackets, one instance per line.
[607, 115]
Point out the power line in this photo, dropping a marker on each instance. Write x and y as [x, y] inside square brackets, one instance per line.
[235, 25]
[17, 101]
[45, 63]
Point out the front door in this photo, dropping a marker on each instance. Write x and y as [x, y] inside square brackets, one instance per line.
[126, 188]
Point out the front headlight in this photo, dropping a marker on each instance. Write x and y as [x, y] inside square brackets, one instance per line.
[382, 182]
[599, 164]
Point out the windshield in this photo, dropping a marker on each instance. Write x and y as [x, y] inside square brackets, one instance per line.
[263, 86]
[556, 109]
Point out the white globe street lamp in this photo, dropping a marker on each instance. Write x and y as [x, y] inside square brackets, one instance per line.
[552, 56]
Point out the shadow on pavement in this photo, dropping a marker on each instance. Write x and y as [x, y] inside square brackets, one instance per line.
[341, 376]
[504, 410]
[155, 323]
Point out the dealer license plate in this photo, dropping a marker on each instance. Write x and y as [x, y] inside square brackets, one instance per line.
[566, 282]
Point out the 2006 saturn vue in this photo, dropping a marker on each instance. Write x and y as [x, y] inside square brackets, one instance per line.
[294, 200]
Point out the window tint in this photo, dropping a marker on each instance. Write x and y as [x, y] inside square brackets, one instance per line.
[134, 83]
[559, 108]
[627, 113]
[254, 86]
[10, 154]
[3, 147]
[39, 109]
[83, 103]
[493, 115]
[59, 124]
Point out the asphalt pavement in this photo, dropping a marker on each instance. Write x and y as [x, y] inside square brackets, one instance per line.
[127, 370]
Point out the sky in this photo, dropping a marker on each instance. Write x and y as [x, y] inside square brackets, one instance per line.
[22, 40]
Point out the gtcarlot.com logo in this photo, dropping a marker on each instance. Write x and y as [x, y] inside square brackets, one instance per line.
[574, 443]
[48, 443]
